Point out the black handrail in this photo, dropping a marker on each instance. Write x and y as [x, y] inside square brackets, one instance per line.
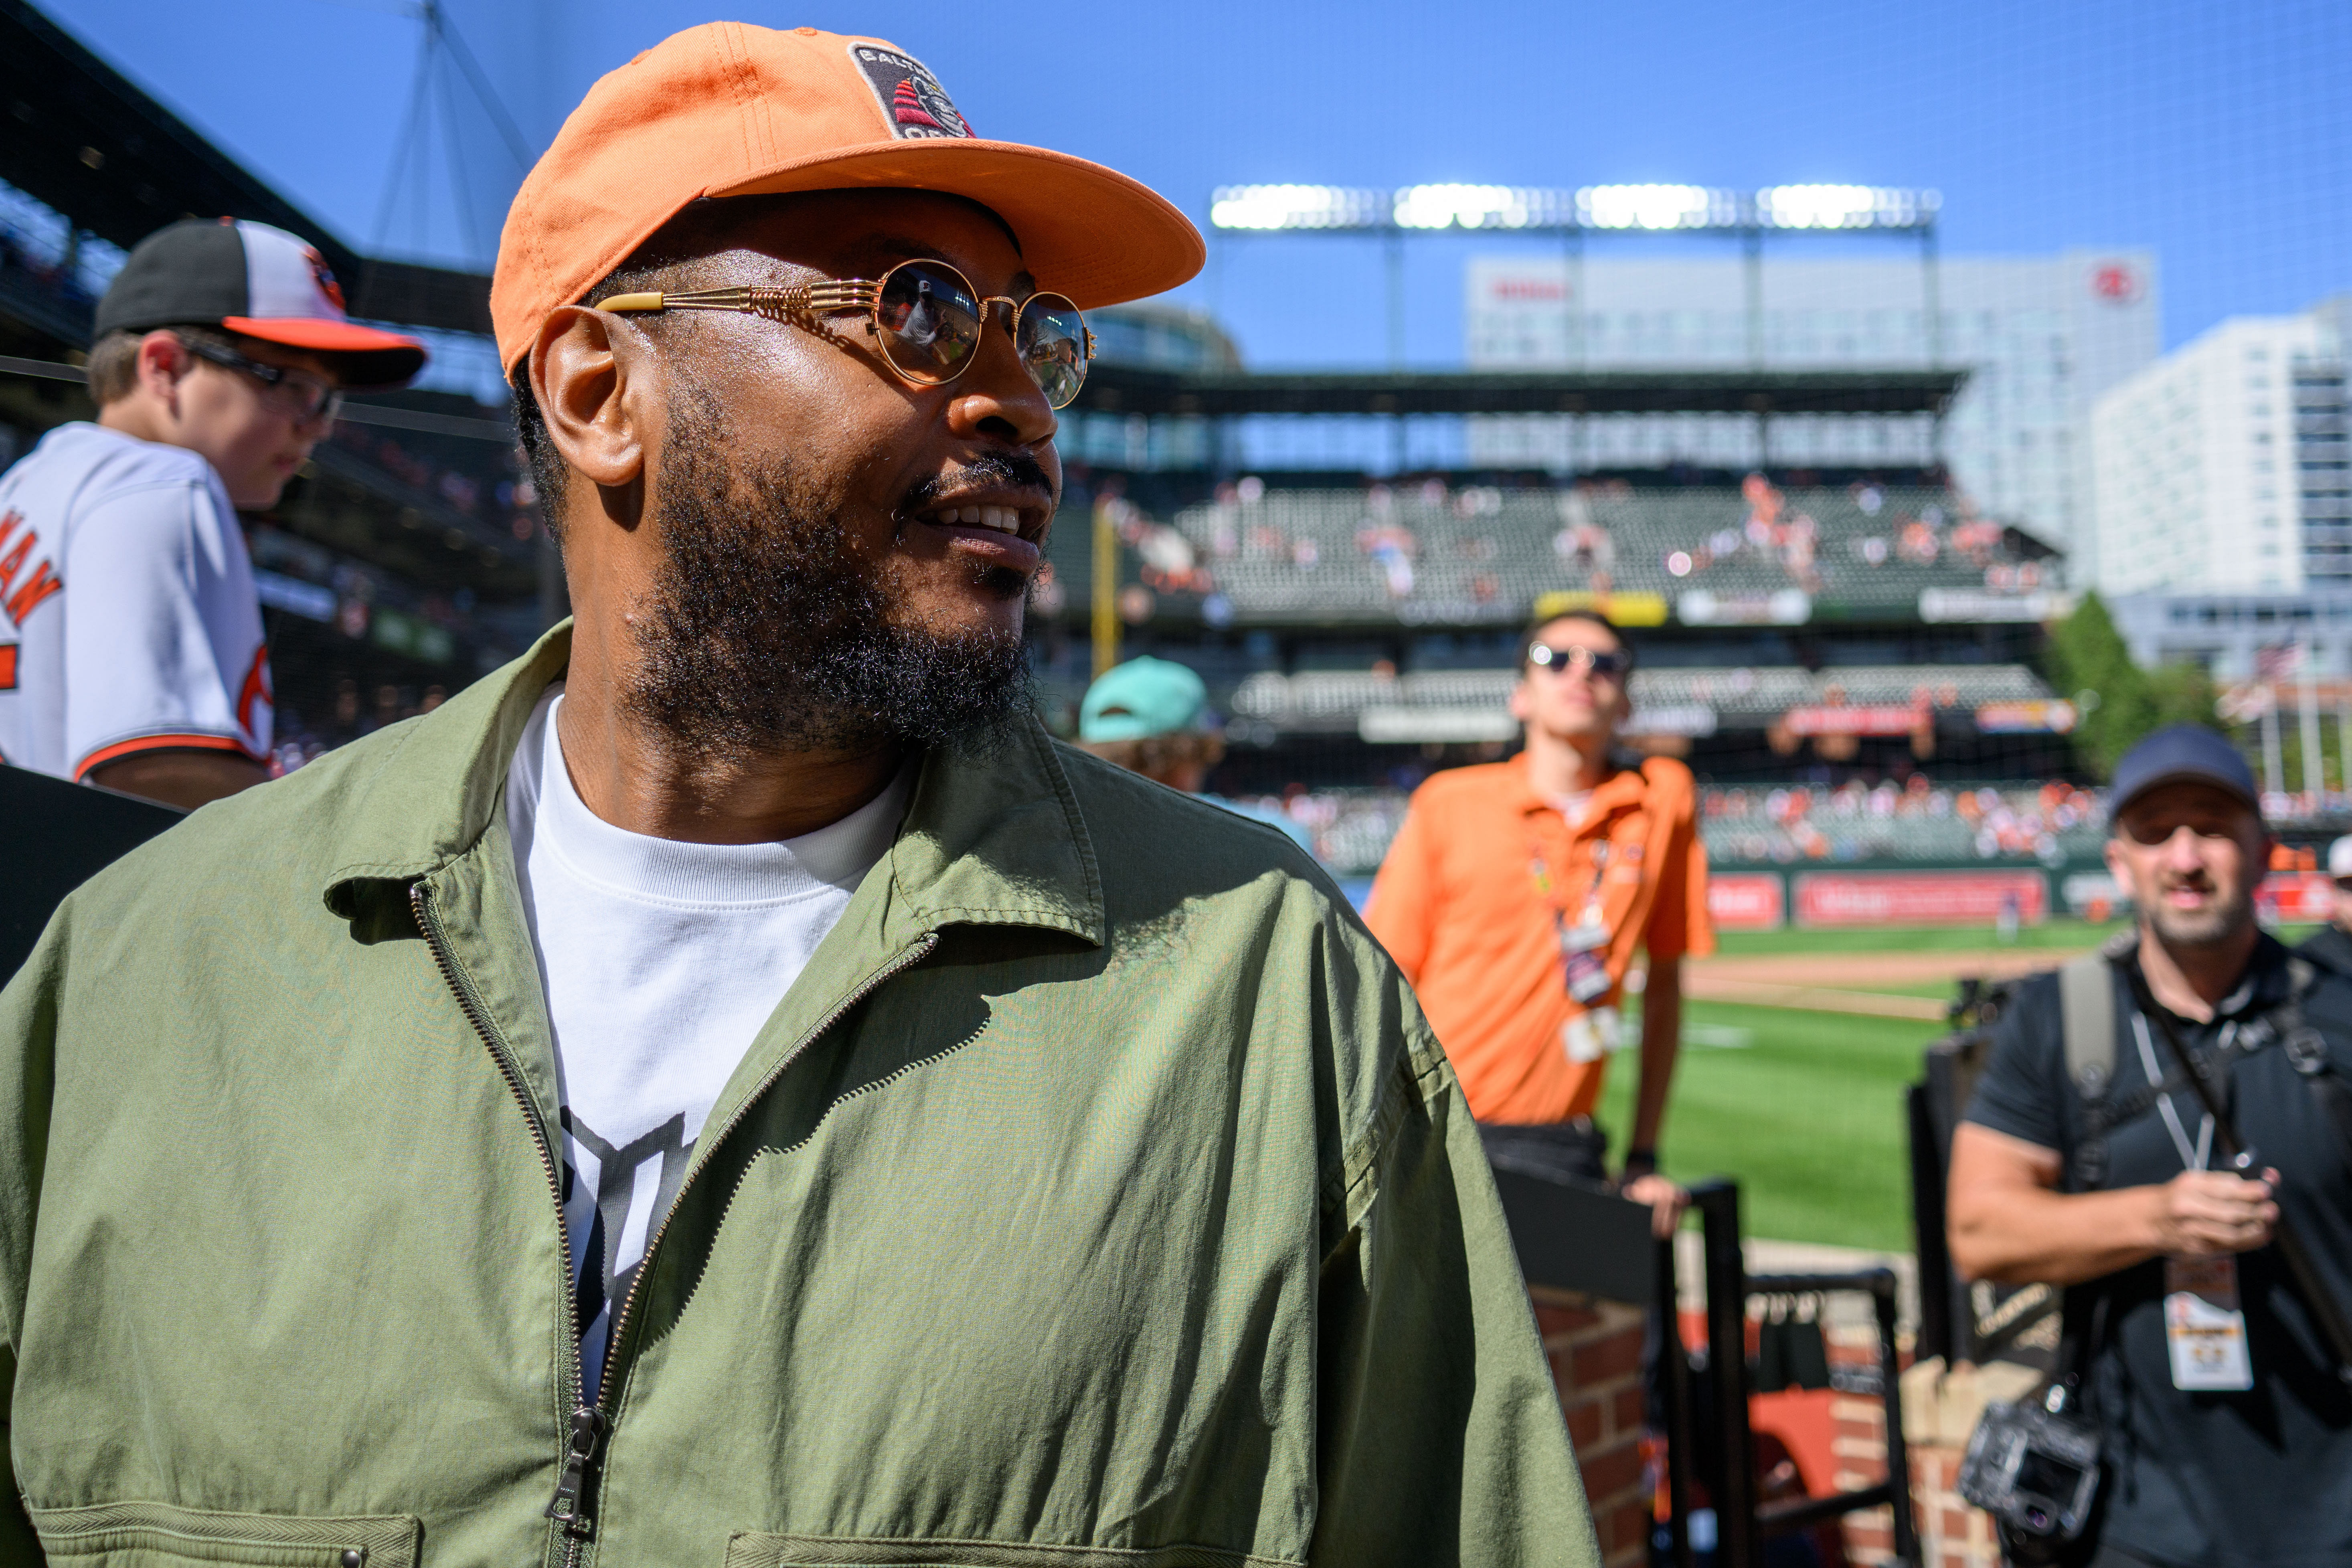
[1666, 1328]
[1741, 1523]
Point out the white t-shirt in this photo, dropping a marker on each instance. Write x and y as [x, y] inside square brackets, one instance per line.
[661, 961]
[128, 620]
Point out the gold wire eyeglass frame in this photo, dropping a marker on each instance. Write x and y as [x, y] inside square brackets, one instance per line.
[805, 306]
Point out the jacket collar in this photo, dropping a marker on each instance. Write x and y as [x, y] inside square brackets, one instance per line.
[994, 839]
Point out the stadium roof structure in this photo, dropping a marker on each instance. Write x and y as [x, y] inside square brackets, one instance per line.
[87, 140]
[1128, 389]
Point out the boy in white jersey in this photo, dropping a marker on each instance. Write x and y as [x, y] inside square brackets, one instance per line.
[132, 652]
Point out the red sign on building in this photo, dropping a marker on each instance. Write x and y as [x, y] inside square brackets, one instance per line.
[2116, 282]
[1917, 898]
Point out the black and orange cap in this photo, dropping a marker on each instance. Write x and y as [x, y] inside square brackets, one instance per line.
[257, 281]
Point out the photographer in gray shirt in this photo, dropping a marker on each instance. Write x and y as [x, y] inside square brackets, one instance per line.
[2211, 1377]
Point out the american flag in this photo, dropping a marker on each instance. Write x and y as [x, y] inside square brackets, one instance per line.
[2278, 663]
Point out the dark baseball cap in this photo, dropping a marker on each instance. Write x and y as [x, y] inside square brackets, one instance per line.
[2183, 754]
[258, 282]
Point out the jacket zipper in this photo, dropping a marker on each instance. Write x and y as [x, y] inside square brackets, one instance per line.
[588, 1425]
[573, 1506]
[710, 1139]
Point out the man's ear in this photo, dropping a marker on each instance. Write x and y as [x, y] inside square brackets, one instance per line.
[592, 381]
[163, 361]
[1519, 699]
[2113, 852]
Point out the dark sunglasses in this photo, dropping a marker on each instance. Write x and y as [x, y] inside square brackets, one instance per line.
[925, 316]
[1609, 665]
[296, 392]
[2149, 832]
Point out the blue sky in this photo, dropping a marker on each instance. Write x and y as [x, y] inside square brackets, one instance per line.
[2219, 134]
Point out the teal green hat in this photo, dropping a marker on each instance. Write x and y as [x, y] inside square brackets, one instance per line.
[1141, 698]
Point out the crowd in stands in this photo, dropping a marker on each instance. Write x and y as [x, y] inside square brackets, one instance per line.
[38, 248]
[303, 737]
[364, 604]
[1916, 820]
[1772, 531]
[1486, 550]
[491, 488]
[1349, 829]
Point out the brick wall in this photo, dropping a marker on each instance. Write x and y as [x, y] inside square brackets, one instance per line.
[1939, 1411]
[1952, 1535]
[1595, 1350]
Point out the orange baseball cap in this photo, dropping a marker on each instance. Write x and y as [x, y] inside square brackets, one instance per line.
[731, 110]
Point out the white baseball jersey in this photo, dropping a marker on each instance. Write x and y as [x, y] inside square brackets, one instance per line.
[128, 620]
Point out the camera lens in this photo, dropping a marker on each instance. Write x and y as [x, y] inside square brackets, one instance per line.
[2036, 1519]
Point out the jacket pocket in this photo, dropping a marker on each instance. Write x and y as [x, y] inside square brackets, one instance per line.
[159, 1535]
[748, 1550]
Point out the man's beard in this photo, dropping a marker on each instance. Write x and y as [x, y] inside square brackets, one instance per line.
[2213, 926]
[767, 631]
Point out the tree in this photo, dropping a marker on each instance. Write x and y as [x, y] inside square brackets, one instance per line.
[2117, 701]
[2182, 691]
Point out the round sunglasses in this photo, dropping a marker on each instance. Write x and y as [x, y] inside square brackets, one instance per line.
[924, 316]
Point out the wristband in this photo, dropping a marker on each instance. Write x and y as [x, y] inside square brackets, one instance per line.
[1639, 1162]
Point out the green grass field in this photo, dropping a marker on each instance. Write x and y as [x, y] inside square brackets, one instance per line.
[1805, 1110]
[1869, 939]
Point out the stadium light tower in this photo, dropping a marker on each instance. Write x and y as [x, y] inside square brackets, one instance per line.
[1747, 216]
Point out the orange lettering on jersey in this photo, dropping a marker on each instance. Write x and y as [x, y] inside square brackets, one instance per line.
[13, 561]
[7, 667]
[38, 588]
[256, 688]
[8, 521]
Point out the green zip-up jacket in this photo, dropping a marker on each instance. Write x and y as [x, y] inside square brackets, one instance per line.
[1097, 1198]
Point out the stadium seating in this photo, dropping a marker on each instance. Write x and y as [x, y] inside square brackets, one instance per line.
[1429, 554]
[1790, 825]
[1781, 825]
[1335, 700]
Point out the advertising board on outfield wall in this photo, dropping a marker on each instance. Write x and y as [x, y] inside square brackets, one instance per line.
[1870, 719]
[1919, 898]
[1746, 900]
[1768, 899]
[2294, 897]
[1634, 609]
[1982, 605]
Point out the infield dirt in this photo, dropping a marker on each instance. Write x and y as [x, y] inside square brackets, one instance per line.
[1865, 982]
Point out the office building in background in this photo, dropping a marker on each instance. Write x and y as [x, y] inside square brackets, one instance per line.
[2226, 466]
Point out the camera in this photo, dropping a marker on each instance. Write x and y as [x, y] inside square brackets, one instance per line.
[2035, 1468]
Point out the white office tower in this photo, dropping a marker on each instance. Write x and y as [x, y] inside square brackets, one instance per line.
[2041, 337]
[2224, 467]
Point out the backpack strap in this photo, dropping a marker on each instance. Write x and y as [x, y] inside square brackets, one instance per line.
[2086, 1010]
[2307, 1051]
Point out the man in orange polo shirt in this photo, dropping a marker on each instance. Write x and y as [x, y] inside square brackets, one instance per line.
[1515, 895]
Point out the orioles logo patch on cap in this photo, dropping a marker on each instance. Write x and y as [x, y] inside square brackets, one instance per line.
[912, 98]
[323, 276]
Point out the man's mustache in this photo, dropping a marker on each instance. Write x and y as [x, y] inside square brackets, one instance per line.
[1020, 470]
